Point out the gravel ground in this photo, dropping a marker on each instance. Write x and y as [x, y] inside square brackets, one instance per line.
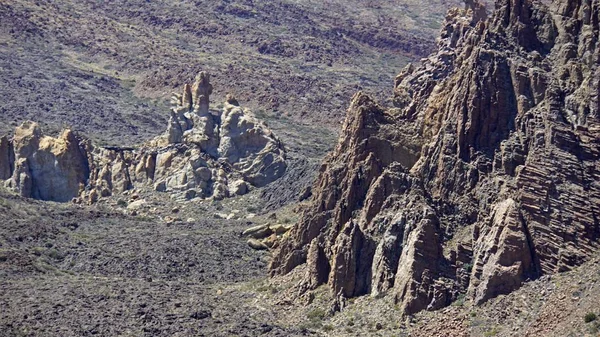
[67, 270]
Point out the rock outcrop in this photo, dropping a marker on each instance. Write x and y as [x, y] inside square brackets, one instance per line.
[203, 154]
[43, 167]
[484, 175]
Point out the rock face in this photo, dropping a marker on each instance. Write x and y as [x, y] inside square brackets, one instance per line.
[483, 175]
[204, 154]
[43, 167]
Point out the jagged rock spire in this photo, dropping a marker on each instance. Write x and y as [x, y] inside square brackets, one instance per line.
[201, 91]
[505, 187]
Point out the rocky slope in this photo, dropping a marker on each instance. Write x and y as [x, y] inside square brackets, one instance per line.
[102, 68]
[203, 154]
[483, 176]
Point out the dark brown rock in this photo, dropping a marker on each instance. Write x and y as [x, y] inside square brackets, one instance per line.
[7, 158]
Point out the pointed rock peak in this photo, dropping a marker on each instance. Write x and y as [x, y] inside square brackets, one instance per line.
[479, 12]
[514, 11]
[363, 114]
[27, 129]
[361, 99]
[186, 100]
[201, 91]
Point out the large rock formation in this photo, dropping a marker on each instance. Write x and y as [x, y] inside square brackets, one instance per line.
[483, 175]
[205, 154]
[43, 167]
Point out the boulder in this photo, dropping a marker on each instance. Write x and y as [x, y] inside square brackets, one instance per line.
[256, 244]
[238, 187]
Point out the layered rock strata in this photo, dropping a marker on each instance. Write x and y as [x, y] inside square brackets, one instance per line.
[203, 154]
[484, 175]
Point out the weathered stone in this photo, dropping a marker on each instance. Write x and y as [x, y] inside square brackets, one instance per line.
[186, 161]
[256, 244]
[491, 154]
[238, 187]
[258, 232]
[201, 91]
[48, 168]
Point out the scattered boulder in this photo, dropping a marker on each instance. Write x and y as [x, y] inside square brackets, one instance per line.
[257, 244]
[238, 187]
[268, 235]
[258, 232]
[136, 205]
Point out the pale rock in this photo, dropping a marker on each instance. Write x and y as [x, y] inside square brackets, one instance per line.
[238, 187]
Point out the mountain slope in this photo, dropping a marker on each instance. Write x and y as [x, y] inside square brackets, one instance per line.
[106, 68]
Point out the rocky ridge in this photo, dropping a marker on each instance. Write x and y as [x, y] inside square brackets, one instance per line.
[204, 154]
[483, 176]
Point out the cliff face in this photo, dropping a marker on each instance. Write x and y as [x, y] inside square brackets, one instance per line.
[484, 175]
[203, 154]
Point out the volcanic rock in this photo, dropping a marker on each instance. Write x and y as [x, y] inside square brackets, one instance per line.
[483, 176]
[203, 154]
[46, 168]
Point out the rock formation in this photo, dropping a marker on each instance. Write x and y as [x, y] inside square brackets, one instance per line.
[43, 167]
[204, 154]
[483, 175]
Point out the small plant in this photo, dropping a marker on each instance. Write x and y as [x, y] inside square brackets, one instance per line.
[316, 314]
[122, 203]
[55, 254]
[460, 301]
[468, 267]
[217, 205]
[328, 327]
[268, 288]
[492, 332]
[589, 317]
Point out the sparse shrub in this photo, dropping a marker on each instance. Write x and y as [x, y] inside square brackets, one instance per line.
[460, 301]
[121, 203]
[286, 220]
[468, 267]
[492, 332]
[55, 254]
[316, 314]
[328, 327]
[269, 288]
[217, 205]
[589, 317]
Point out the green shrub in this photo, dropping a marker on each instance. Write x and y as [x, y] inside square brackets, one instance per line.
[493, 332]
[589, 317]
[328, 327]
[316, 314]
[460, 300]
